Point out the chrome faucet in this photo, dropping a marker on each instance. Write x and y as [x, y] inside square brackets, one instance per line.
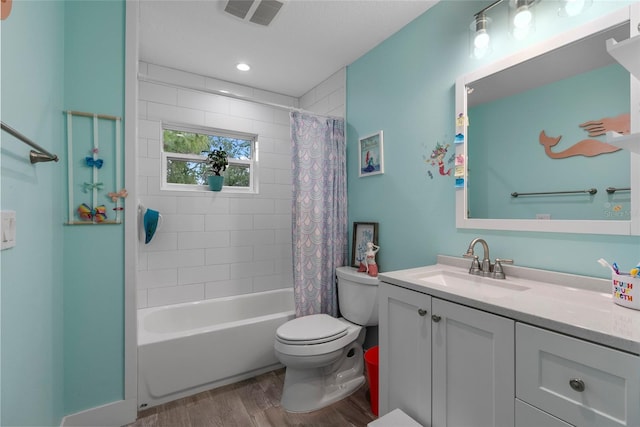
[486, 268]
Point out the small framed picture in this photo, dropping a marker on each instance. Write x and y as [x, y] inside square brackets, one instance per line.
[363, 232]
[371, 155]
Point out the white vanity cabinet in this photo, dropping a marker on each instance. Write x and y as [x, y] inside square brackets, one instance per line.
[578, 382]
[442, 363]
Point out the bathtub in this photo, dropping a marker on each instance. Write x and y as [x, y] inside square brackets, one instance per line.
[187, 348]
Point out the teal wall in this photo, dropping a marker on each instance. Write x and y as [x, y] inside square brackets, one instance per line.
[405, 86]
[94, 255]
[32, 96]
[62, 286]
[508, 128]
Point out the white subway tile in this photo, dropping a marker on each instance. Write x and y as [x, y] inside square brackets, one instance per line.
[157, 278]
[143, 67]
[273, 252]
[251, 269]
[174, 259]
[148, 167]
[164, 205]
[153, 186]
[158, 93]
[251, 110]
[161, 242]
[142, 261]
[267, 175]
[335, 82]
[142, 109]
[283, 206]
[175, 295]
[271, 282]
[251, 237]
[272, 130]
[229, 255]
[142, 185]
[225, 288]
[153, 149]
[174, 114]
[228, 222]
[276, 191]
[141, 299]
[205, 239]
[283, 236]
[283, 176]
[182, 222]
[308, 99]
[149, 129]
[199, 204]
[251, 206]
[226, 122]
[281, 221]
[202, 274]
[337, 99]
[282, 117]
[203, 101]
[276, 161]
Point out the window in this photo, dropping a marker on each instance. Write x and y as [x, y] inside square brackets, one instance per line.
[184, 151]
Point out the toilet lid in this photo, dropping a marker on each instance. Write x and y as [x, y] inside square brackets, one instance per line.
[314, 329]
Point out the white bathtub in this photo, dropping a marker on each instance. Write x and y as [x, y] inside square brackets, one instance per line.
[187, 348]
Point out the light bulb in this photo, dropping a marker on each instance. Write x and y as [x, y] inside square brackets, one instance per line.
[574, 7]
[523, 17]
[481, 41]
[243, 67]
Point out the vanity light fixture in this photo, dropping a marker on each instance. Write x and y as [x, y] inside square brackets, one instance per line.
[243, 66]
[521, 22]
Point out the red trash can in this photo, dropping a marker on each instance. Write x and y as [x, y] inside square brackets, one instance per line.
[372, 362]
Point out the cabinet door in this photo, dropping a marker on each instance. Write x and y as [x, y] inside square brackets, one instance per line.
[405, 352]
[528, 416]
[473, 367]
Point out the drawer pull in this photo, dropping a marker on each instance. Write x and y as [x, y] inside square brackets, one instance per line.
[436, 318]
[422, 312]
[577, 384]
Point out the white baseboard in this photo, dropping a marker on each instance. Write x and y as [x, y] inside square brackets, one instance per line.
[113, 414]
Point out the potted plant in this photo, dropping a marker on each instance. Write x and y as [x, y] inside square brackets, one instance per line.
[216, 163]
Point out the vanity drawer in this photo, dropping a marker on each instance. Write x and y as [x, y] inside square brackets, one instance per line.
[582, 383]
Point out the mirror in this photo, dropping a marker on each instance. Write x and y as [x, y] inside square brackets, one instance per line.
[537, 158]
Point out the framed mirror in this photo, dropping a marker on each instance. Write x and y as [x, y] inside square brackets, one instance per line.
[538, 156]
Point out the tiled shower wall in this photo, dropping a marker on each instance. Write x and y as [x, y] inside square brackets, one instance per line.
[214, 244]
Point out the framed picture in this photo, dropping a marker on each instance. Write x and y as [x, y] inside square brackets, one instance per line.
[363, 232]
[371, 160]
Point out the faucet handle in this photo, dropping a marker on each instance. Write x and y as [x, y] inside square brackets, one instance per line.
[475, 266]
[498, 272]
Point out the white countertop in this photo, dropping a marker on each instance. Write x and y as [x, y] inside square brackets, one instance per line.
[575, 305]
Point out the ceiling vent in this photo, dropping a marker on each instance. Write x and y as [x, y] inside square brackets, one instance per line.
[259, 12]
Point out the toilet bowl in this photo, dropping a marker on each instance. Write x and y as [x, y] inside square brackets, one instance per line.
[323, 355]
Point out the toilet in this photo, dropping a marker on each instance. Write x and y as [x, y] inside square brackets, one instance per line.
[323, 355]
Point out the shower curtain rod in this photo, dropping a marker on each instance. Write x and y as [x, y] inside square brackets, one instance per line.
[37, 155]
[145, 78]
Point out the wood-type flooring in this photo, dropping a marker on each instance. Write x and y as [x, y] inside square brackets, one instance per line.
[254, 403]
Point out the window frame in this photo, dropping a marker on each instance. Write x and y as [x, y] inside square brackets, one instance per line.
[252, 163]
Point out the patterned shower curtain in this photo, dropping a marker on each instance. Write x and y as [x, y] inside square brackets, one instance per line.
[319, 211]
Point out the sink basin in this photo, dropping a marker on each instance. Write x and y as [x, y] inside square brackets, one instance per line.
[461, 283]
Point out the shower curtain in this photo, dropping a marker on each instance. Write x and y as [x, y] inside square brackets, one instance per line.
[319, 211]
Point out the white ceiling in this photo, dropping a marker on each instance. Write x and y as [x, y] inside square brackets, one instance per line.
[307, 42]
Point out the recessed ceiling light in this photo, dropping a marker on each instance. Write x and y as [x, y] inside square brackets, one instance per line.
[243, 67]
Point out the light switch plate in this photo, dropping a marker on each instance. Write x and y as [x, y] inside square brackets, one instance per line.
[7, 229]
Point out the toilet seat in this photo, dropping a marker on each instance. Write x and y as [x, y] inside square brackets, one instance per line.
[310, 330]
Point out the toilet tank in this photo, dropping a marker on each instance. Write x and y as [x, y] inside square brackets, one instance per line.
[357, 296]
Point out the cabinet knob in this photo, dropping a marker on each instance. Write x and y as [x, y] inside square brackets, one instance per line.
[422, 312]
[577, 384]
[435, 318]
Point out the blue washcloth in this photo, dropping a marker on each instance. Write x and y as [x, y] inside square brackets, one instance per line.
[150, 224]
